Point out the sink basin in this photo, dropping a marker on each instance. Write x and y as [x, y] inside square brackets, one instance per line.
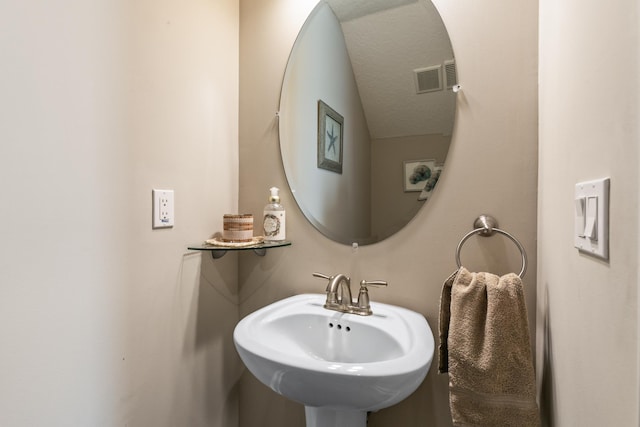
[339, 365]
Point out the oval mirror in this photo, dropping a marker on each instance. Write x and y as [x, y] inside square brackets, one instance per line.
[366, 114]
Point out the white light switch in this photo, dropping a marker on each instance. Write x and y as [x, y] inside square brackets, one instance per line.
[591, 222]
[580, 208]
[591, 230]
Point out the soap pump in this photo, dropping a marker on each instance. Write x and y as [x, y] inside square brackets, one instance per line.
[274, 218]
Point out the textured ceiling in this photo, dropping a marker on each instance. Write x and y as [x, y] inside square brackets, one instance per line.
[352, 9]
[387, 40]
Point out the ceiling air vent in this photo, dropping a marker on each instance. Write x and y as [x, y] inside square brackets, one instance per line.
[450, 74]
[428, 79]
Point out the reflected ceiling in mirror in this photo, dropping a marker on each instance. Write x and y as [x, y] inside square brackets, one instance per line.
[384, 69]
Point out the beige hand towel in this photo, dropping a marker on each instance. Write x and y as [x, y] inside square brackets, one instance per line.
[485, 347]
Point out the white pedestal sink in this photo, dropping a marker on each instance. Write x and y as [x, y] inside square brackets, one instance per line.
[339, 365]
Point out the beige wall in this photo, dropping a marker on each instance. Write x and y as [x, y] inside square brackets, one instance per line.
[587, 308]
[104, 322]
[495, 44]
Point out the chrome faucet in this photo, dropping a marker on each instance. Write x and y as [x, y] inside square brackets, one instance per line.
[339, 297]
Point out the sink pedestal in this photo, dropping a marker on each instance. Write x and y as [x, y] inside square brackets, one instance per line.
[325, 417]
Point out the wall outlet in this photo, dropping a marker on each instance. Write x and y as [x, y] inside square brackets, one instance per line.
[162, 208]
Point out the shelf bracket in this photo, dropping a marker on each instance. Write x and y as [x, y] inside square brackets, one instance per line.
[219, 253]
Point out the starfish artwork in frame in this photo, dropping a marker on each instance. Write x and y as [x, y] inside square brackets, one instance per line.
[330, 138]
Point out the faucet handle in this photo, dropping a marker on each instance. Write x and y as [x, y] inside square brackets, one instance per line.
[365, 283]
[322, 276]
[363, 295]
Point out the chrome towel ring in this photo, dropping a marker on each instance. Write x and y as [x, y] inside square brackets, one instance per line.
[486, 226]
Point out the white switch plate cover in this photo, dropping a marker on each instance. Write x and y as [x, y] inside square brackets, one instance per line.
[598, 245]
[162, 208]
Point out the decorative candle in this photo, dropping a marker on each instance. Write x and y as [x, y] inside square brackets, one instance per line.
[237, 228]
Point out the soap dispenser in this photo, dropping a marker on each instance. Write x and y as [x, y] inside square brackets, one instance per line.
[274, 218]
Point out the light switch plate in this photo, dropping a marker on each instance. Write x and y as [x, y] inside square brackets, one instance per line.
[162, 208]
[591, 213]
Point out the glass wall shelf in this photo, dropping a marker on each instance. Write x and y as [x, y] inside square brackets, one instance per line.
[260, 249]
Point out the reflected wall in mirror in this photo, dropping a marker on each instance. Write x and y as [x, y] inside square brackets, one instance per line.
[387, 67]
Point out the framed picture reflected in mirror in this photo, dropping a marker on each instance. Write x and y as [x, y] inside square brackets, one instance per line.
[330, 138]
[417, 173]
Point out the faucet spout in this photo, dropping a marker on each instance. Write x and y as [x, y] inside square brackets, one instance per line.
[339, 291]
